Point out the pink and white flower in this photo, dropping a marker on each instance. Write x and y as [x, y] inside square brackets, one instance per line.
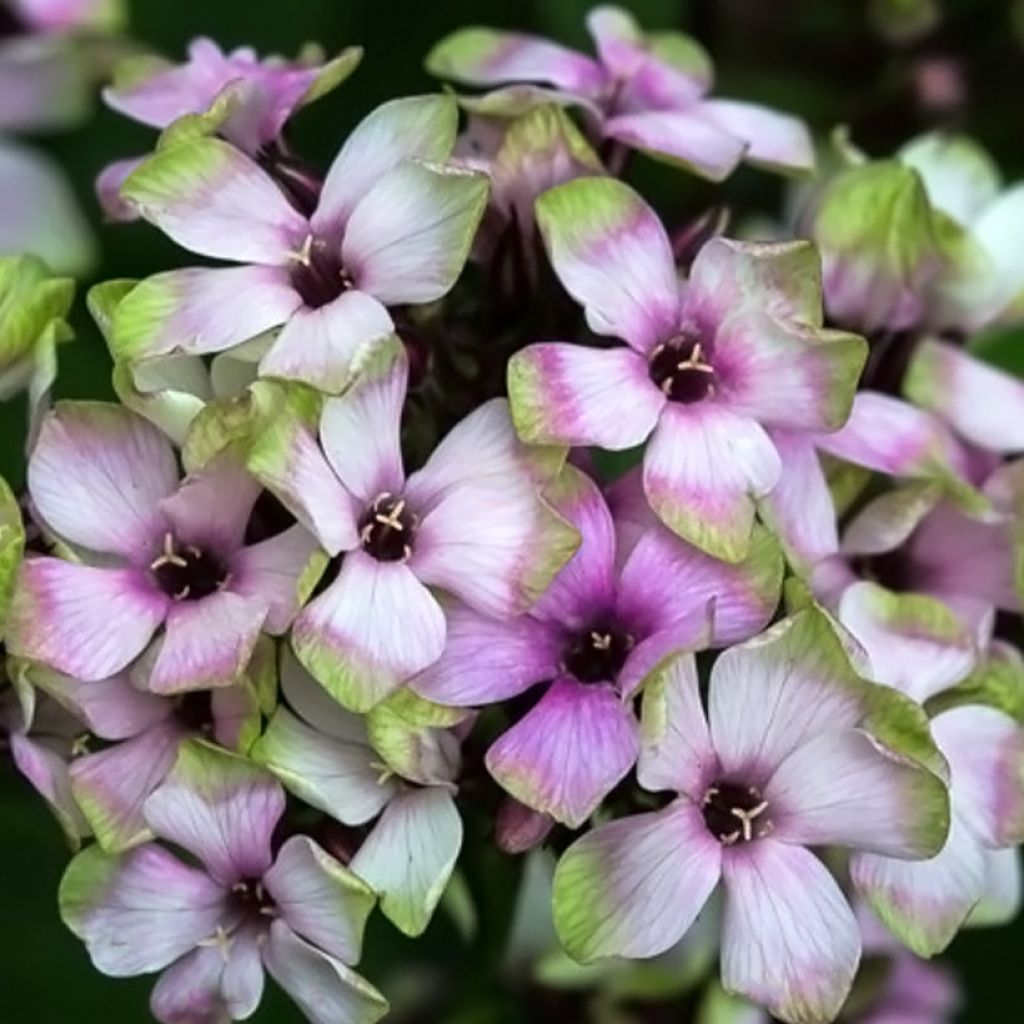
[148, 557]
[705, 367]
[620, 607]
[242, 908]
[781, 763]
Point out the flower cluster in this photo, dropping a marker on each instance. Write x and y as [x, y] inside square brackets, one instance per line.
[470, 511]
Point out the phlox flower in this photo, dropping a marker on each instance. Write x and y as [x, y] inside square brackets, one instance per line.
[470, 523]
[392, 226]
[621, 605]
[248, 100]
[391, 775]
[147, 552]
[705, 367]
[780, 763]
[243, 907]
[645, 90]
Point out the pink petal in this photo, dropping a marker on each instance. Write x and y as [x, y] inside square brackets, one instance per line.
[323, 989]
[703, 470]
[842, 789]
[319, 898]
[681, 136]
[141, 911]
[268, 573]
[487, 660]
[633, 888]
[789, 938]
[774, 140]
[360, 430]
[687, 633]
[675, 744]
[320, 347]
[96, 476]
[47, 772]
[568, 752]
[613, 256]
[374, 628]
[221, 809]
[206, 643]
[568, 394]
[190, 989]
[214, 200]
[108, 189]
[87, 622]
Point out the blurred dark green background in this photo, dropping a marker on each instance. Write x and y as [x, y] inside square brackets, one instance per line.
[820, 58]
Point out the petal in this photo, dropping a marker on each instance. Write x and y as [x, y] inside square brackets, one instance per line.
[703, 470]
[211, 509]
[410, 855]
[212, 199]
[569, 751]
[206, 643]
[843, 789]
[46, 770]
[632, 888]
[682, 137]
[112, 785]
[96, 476]
[1001, 900]
[613, 256]
[925, 902]
[86, 622]
[666, 581]
[981, 402]
[138, 912]
[270, 573]
[286, 459]
[568, 394]
[408, 237]
[360, 430]
[675, 744]
[487, 660]
[774, 140]
[482, 56]
[914, 642]
[414, 127]
[200, 309]
[322, 347]
[985, 750]
[342, 779]
[324, 989]
[787, 375]
[320, 899]
[190, 989]
[373, 628]
[800, 510]
[789, 938]
[317, 709]
[960, 177]
[108, 189]
[220, 808]
[773, 694]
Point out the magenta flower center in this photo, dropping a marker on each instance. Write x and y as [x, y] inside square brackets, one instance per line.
[597, 654]
[318, 274]
[734, 813]
[251, 899]
[680, 368]
[188, 573]
[387, 528]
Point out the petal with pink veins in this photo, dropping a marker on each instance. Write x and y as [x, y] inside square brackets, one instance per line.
[190, 990]
[568, 752]
[774, 140]
[46, 770]
[632, 888]
[97, 474]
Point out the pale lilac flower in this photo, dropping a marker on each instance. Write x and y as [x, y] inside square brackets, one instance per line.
[153, 553]
[244, 908]
[781, 763]
[614, 612]
[706, 366]
[248, 99]
[647, 92]
[392, 226]
[470, 523]
[392, 773]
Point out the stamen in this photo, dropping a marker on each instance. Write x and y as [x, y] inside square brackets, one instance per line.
[387, 528]
[735, 813]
